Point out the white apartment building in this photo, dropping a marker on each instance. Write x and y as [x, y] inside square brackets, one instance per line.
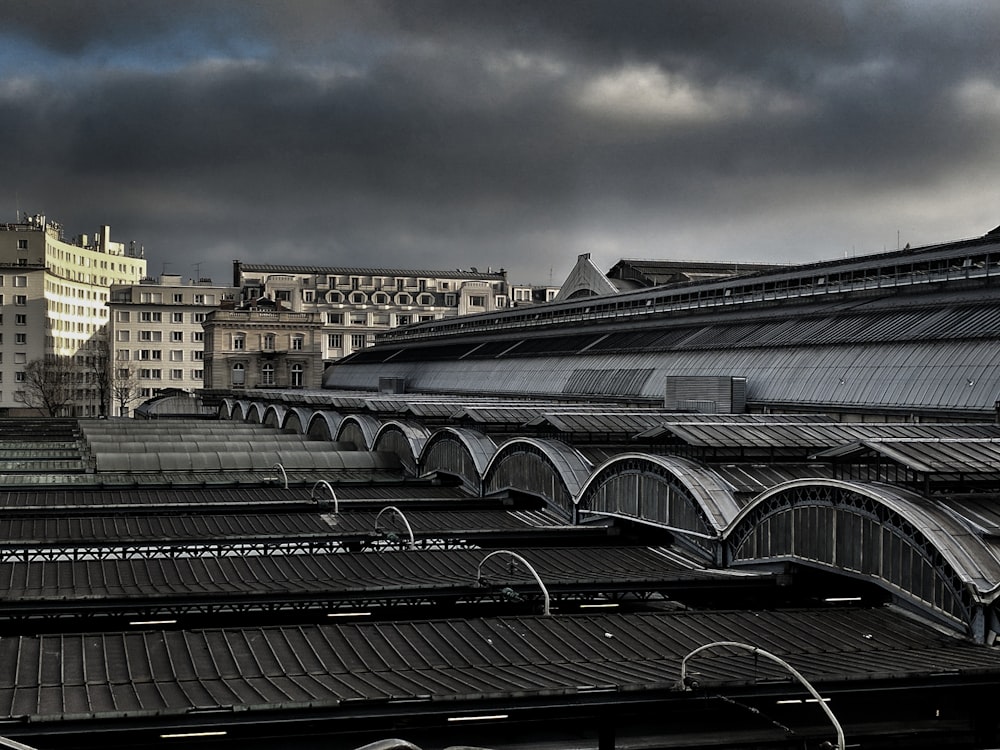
[54, 304]
[156, 332]
[356, 303]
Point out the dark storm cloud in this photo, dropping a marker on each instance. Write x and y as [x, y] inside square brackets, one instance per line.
[517, 134]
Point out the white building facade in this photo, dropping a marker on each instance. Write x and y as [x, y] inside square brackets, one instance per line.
[55, 304]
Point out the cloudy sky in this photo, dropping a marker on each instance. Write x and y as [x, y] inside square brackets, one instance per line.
[444, 134]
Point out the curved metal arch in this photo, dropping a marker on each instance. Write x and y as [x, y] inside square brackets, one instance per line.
[366, 424]
[225, 410]
[240, 410]
[416, 436]
[479, 447]
[711, 499]
[255, 414]
[274, 412]
[964, 565]
[330, 421]
[572, 468]
[300, 416]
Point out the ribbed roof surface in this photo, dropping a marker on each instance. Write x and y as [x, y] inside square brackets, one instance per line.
[349, 667]
[235, 527]
[146, 583]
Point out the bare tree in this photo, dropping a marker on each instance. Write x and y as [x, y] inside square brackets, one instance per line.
[49, 385]
[124, 387]
[100, 364]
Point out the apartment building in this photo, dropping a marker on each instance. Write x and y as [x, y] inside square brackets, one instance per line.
[353, 304]
[156, 335]
[54, 294]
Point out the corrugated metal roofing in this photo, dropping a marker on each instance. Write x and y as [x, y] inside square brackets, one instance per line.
[932, 456]
[208, 497]
[799, 435]
[170, 582]
[350, 667]
[243, 528]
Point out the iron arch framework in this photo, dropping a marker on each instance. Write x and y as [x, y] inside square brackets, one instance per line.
[851, 528]
[547, 468]
[642, 488]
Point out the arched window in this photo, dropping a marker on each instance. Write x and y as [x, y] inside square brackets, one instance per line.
[239, 375]
[267, 374]
[296, 376]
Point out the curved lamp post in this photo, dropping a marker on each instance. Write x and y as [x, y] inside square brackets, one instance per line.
[284, 474]
[398, 512]
[333, 495]
[777, 660]
[525, 563]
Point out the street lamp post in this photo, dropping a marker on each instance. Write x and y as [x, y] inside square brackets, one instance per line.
[777, 660]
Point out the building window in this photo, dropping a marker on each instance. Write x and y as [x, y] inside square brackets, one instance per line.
[177, 317]
[198, 318]
[449, 300]
[177, 374]
[21, 338]
[19, 376]
[297, 342]
[355, 282]
[197, 336]
[21, 299]
[335, 319]
[403, 299]
[20, 358]
[297, 376]
[199, 299]
[477, 300]
[267, 374]
[358, 298]
[198, 355]
[403, 320]
[122, 336]
[307, 295]
[198, 374]
[334, 340]
[150, 317]
[357, 341]
[121, 316]
[380, 299]
[426, 299]
[359, 319]
[239, 341]
[178, 299]
[334, 297]
[123, 355]
[177, 335]
[267, 342]
[20, 281]
[21, 319]
[22, 244]
[239, 375]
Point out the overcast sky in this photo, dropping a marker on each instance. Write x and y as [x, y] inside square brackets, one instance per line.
[449, 134]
